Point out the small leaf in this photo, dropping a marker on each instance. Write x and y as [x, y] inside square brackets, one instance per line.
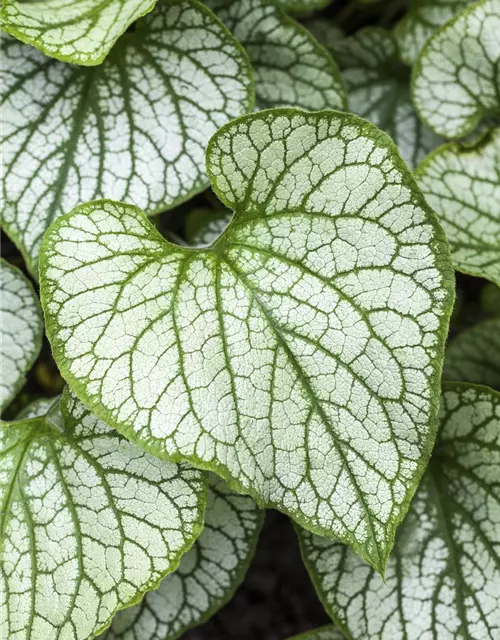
[378, 87]
[134, 128]
[299, 357]
[204, 226]
[291, 67]
[21, 329]
[455, 79]
[443, 578]
[474, 355]
[462, 185]
[72, 30]
[301, 6]
[89, 522]
[324, 633]
[207, 576]
[421, 21]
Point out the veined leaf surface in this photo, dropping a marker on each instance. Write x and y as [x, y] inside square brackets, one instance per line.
[207, 576]
[420, 22]
[443, 578]
[474, 355]
[21, 329]
[291, 67]
[456, 78]
[462, 185]
[299, 357]
[76, 31]
[134, 128]
[89, 523]
[324, 633]
[378, 86]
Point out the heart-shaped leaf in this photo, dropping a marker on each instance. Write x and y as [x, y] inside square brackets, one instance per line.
[456, 78]
[324, 633]
[89, 522]
[443, 578]
[207, 576]
[21, 329]
[291, 67]
[299, 357]
[462, 185]
[420, 22]
[378, 86]
[72, 30]
[474, 355]
[134, 128]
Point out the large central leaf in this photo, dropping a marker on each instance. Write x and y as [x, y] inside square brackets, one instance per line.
[299, 356]
[134, 128]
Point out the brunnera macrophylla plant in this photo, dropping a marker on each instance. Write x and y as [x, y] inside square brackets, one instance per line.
[288, 350]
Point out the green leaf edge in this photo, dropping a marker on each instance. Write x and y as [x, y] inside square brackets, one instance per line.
[446, 386]
[473, 121]
[460, 148]
[35, 42]
[61, 401]
[33, 266]
[448, 283]
[38, 338]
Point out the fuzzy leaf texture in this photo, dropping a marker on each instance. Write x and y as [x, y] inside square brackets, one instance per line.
[443, 578]
[378, 86]
[72, 30]
[298, 357]
[456, 79]
[462, 185]
[21, 329]
[89, 523]
[291, 67]
[207, 576]
[134, 128]
[474, 355]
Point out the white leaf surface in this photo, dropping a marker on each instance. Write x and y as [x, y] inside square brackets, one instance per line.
[443, 578]
[21, 329]
[89, 523]
[291, 68]
[462, 185]
[79, 31]
[207, 576]
[298, 357]
[134, 128]
[456, 77]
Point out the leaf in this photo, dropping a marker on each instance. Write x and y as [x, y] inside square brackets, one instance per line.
[135, 128]
[298, 357]
[490, 300]
[71, 30]
[301, 6]
[207, 576]
[378, 89]
[21, 330]
[474, 355]
[205, 226]
[462, 185]
[89, 523]
[421, 21]
[291, 67]
[324, 633]
[456, 78]
[443, 578]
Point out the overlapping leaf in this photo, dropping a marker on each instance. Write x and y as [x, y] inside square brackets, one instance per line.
[204, 226]
[298, 357]
[134, 128]
[462, 185]
[291, 67]
[456, 77]
[21, 330]
[443, 578]
[72, 30]
[378, 87]
[207, 576]
[89, 522]
[324, 633]
[474, 355]
[420, 22]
